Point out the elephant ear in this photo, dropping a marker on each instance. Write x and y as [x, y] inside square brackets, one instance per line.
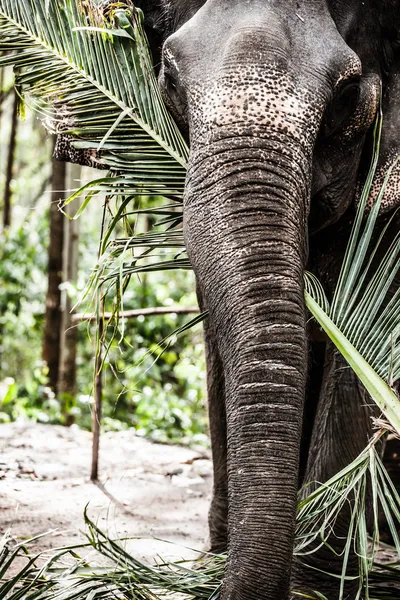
[372, 30]
[389, 158]
[386, 21]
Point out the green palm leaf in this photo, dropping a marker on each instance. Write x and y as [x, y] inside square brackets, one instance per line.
[363, 320]
[89, 74]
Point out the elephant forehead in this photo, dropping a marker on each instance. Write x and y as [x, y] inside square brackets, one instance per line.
[264, 100]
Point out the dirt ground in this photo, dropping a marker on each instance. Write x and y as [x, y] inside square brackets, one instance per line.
[150, 491]
[147, 490]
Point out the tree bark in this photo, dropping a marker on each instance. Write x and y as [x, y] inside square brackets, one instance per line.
[97, 408]
[1, 92]
[53, 316]
[10, 164]
[69, 332]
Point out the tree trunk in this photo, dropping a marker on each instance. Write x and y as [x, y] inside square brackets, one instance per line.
[1, 92]
[69, 332]
[10, 164]
[53, 315]
[97, 408]
[98, 382]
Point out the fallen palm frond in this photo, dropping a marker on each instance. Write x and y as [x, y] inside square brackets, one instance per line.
[349, 490]
[73, 573]
[363, 321]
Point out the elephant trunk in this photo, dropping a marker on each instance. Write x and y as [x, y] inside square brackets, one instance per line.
[245, 218]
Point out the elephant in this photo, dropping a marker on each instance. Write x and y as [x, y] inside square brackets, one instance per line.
[278, 99]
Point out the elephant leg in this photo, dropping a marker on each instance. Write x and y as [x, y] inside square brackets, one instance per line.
[218, 513]
[342, 429]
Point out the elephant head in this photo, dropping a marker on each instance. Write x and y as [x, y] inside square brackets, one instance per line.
[278, 99]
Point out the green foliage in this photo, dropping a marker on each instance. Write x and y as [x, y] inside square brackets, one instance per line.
[22, 273]
[162, 399]
[174, 410]
[23, 377]
[161, 392]
[29, 399]
[363, 321]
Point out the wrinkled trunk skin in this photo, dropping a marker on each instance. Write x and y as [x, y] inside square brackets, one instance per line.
[218, 513]
[245, 223]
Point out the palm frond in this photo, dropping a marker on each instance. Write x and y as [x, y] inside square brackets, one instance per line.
[349, 489]
[89, 74]
[364, 320]
[363, 323]
[72, 572]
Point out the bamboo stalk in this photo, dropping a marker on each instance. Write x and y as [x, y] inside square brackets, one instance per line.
[98, 378]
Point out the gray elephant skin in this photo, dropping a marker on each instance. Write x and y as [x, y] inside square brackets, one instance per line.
[278, 99]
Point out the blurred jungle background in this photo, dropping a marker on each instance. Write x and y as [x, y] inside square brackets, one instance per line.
[47, 340]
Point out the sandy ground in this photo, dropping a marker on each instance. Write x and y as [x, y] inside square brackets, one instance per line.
[147, 490]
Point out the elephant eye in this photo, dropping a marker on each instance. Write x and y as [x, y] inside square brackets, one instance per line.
[174, 95]
[169, 82]
[342, 107]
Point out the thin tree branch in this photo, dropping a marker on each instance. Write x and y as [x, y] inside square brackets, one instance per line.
[142, 312]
